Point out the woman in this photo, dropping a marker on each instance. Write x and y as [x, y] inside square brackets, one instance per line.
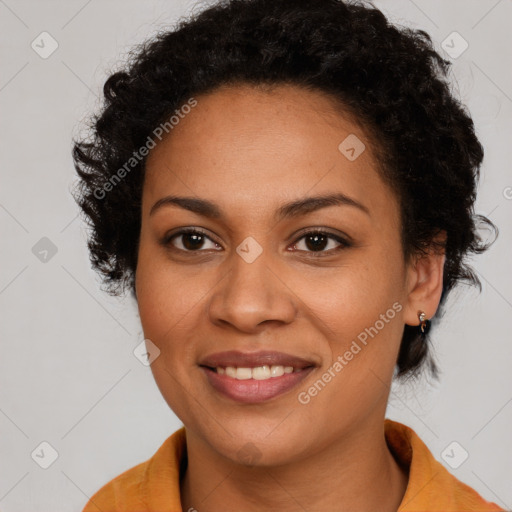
[287, 189]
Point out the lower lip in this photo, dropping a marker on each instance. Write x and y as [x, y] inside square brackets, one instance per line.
[252, 391]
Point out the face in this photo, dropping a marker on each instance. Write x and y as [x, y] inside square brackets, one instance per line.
[269, 273]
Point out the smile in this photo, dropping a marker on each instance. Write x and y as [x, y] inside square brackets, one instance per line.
[251, 390]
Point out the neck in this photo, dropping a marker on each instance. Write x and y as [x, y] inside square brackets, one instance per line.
[357, 472]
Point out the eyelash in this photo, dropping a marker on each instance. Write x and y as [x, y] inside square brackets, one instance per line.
[344, 244]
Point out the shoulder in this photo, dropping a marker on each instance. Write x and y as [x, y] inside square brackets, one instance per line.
[151, 483]
[121, 492]
[431, 486]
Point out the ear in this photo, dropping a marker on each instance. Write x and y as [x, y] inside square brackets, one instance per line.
[424, 282]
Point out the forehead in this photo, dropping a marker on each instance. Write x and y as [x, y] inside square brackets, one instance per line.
[264, 146]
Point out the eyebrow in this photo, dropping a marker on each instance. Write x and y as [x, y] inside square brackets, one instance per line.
[296, 208]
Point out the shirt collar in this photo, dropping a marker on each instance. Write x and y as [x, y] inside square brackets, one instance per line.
[430, 487]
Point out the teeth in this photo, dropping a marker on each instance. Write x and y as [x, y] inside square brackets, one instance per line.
[277, 371]
[243, 373]
[261, 373]
[231, 372]
[257, 373]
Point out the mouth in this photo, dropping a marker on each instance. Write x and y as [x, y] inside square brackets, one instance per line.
[254, 377]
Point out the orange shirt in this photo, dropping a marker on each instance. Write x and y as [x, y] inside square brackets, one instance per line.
[154, 485]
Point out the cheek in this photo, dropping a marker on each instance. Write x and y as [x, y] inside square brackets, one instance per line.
[166, 300]
[353, 296]
[162, 294]
[171, 302]
[359, 313]
[168, 303]
[359, 310]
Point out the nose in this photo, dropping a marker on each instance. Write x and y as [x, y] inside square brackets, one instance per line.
[252, 294]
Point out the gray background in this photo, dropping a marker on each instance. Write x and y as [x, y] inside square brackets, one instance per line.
[68, 375]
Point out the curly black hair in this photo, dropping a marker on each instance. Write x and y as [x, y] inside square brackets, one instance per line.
[391, 79]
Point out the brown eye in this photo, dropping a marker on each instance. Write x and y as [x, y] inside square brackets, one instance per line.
[190, 240]
[318, 241]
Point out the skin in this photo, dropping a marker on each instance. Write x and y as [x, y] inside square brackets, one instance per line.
[250, 151]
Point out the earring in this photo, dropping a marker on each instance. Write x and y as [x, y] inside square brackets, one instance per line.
[423, 320]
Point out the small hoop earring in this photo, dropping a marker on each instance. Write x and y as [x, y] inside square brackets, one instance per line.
[423, 320]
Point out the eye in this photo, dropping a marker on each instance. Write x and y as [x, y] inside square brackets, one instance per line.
[190, 240]
[317, 241]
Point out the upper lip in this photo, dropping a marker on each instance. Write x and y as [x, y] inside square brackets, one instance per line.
[252, 359]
